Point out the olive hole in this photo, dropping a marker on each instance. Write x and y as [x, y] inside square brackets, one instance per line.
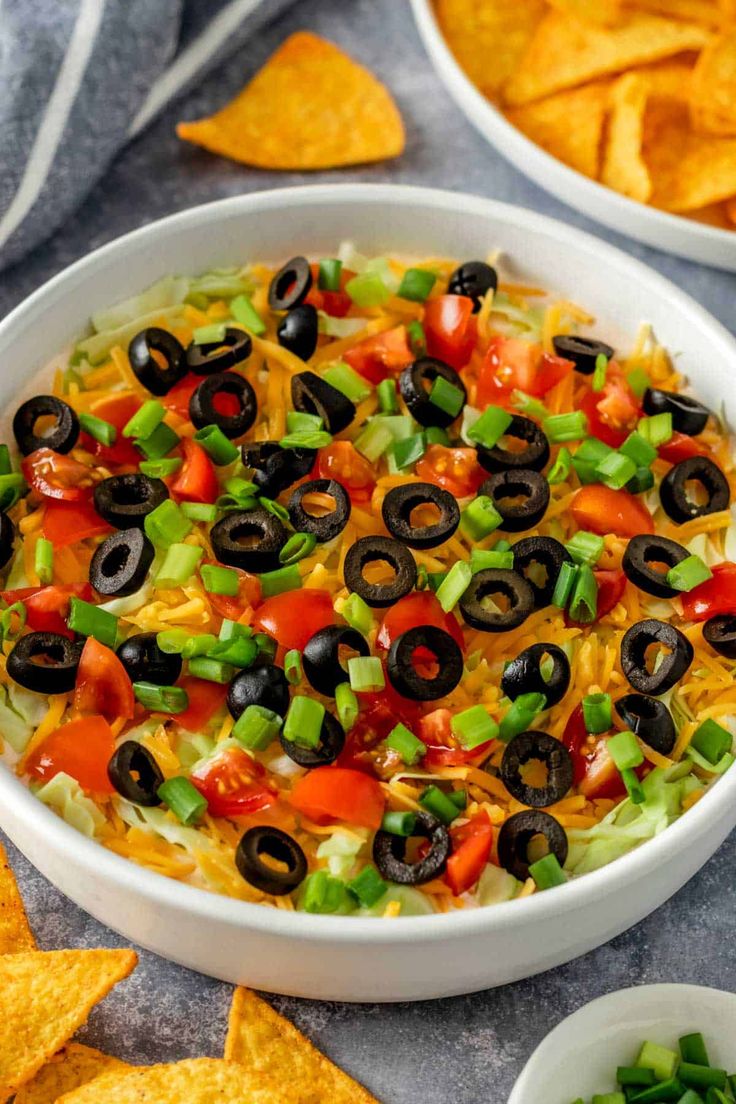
[537, 573]
[115, 561]
[424, 515]
[317, 504]
[512, 444]
[344, 653]
[655, 655]
[277, 858]
[425, 663]
[696, 492]
[534, 773]
[247, 535]
[537, 848]
[659, 566]
[379, 571]
[44, 425]
[496, 602]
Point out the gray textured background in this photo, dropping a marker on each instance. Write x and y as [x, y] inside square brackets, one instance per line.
[466, 1049]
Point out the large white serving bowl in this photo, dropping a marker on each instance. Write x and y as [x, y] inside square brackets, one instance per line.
[672, 233]
[344, 958]
[579, 1058]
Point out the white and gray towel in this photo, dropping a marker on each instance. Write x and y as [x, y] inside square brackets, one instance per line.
[79, 78]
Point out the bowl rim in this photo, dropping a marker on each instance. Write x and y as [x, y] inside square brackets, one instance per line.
[540, 163]
[97, 862]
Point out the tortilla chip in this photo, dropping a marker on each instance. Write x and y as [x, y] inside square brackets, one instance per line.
[715, 215]
[730, 209]
[691, 11]
[565, 52]
[605, 12]
[713, 105]
[72, 1067]
[568, 125]
[309, 107]
[45, 996]
[268, 1044]
[489, 37]
[15, 932]
[728, 11]
[688, 170]
[196, 1081]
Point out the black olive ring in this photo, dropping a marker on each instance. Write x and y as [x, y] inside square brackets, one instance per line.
[517, 833]
[389, 853]
[203, 412]
[268, 532]
[266, 686]
[299, 330]
[7, 539]
[55, 677]
[217, 356]
[154, 378]
[720, 633]
[278, 845]
[545, 552]
[310, 394]
[646, 549]
[673, 666]
[62, 438]
[525, 748]
[582, 351]
[534, 456]
[416, 396]
[524, 674]
[135, 774]
[403, 675]
[328, 526]
[399, 504]
[331, 743]
[120, 564]
[473, 279]
[372, 550]
[673, 489]
[492, 581]
[126, 500]
[276, 468]
[144, 661]
[291, 284]
[688, 415]
[650, 720]
[321, 656]
[517, 483]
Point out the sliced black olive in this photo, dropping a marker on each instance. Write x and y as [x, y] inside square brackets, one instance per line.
[154, 378]
[217, 356]
[673, 489]
[403, 674]
[126, 500]
[282, 849]
[331, 743]
[46, 662]
[688, 415]
[543, 554]
[473, 279]
[582, 351]
[299, 330]
[327, 526]
[120, 564]
[63, 436]
[415, 383]
[368, 550]
[673, 664]
[524, 675]
[650, 720]
[647, 549]
[266, 686]
[144, 661]
[7, 539]
[291, 284]
[530, 747]
[518, 832]
[135, 774]
[321, 656]
[494, 581]
[311, 394]
[389, 853]
[400, 503]
[203, 404]
[527, 484]
[720, 633]
[276, 468]
[251, 539]
[533, 456]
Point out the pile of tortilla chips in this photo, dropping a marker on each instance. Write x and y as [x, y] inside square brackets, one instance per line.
[638, 94]
[46, 996]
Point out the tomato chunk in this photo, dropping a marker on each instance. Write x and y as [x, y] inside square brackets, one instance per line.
[80, 748]
[381, 355]
[681, 447]
[295, 616]
[602, 510]
[511, 364]
[196, 480]
[421, 607]
[454, 469]
[47, 608]
[611, 586]
[435, 730]
[471, 849]
[715, 596]
[450, 328]
[103, 685]
[342, 461]
[338, 793]
[595, 772]
[67, 522]
[233, 785]
[57, 477]
[205, 698]
[117, 410]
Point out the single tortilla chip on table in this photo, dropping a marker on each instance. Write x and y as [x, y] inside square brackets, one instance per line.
[489, 37]
[569, 125]
[45, 996]
[565, 52]
[71, 1068]
[265, 1042]
[309, 107]
[688, 170]
[15, 931]
[196, 1081]
[713, 98]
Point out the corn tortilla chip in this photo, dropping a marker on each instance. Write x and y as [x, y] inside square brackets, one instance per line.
[268, 1044]
[45, 996]
[713, 105]
[688, 170]
[309, 107]
[569, 125]
[714, 215]
[489, 37]
[565, 52]
[605, 12]
[692, 11]
[15, 932]
[196, 1081]
[730, 208]
[72, 1067]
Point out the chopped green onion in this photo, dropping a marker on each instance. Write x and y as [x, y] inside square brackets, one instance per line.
[528, 405]
[217, 445]
[585, 547]
[239, 651]
[446, 396]
[357, 613]
[280, 580]
[598, 381]
[632, 1075]
[588, 456]
[246, 314]
[366, 673]
[560, 470]
[307, 438]
[368, 887]
[12, 487]
[454, 585]
[473, 727]
[367, 290]
[7, 630]
[293, 666]
[197, 511]
[323, 894]
[230, 629]
[565, 427]
[210, 334]
[297, 547]
[346, 380]
[183, 799]
[633, 787]
[161, 699]
[547, 872]
[212, 670]
[584, 597]
[330, 270]
[101, 430]
[438, 804]
[436, 435]
[347, 705]
[459, 798]
[410, 747]
[638, 381]
[521, 714]
[240, 495]
[689, 573]
[44, 561]
[162, 440]
[597, 714]
[160, 469]
[172, 641]
[408, 450]
[693, 1049]
[657, 430]
[481, 559]
[374, 440]
[564, 585]
[275, 508]
[616, 470]
[89, 620]
[422, 577]
[388, 399]
[6, 465]
[256, 727]
[623, 749]
[179, 565]
[642, 480]
[638, 449]
[435, 579]
[712, 741]
[399, 824]
[145, 419]
[220, 580]
[417, 338]
[480, 518]
[303, 723]
[659, 1059]
[297, 420]
[416, 284]
[490, 427]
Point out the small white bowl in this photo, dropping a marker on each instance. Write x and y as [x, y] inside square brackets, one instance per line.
[579, 1058]
[671, 233]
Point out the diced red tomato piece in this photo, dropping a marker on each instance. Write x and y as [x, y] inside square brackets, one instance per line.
[595, 772]
[337, 793]
[103, 685]
[379, 713]
[80, 748]
[177, 400]
[602, 510]
[47, 608]
[67, 522]
[335, 303]
[234, 606]
[435, 730]
[205, 698]
[117, 410]
[233, 785]
[511, 364]
[450, 328]
[611, 587]
[342, 461]
[57, 477]
[471, 849]
[455, 469]
[196, 480]
[294, 617]
[681, 447]
[418, 608]
[381, 355]
[715, 596]
[613, 412]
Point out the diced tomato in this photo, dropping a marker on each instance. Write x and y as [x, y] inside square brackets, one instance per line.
[613, 412]
[511, 364]
[335, 303]
[715, 596]
[177, 400]
[450, 328]
[382, 355]
[117, 410]
[455, 469]
[600, 509]
[681, 447]
[67, 522]
[103, 685]
[379, 713]
[435, 730]
[418, 608]
[611, 586]
[233, 785]
[337, 793]
[47, 608]
[55, 476]
[196, 480]
[342, 461]
[205, 698]
[234, 606]
[295, 616]
[595, 773]
[80, 748]
[471, 849]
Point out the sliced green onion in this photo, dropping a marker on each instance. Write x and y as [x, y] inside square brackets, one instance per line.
[347, 705]
[257, 727]
[565, 427]
[199, 645]
[473, 727]
[179, 565]
[598, 381]
[368, 887]
[399, 824]
[657, 430]
[480, 518]
[240, 651]
[323, 894]
[422, 577]
[89, 620]
[183, 799]
[240, 495]
[459, 798]
[160, 469]
[172, 641]
[210, 334]
[417, 338]
[402, 740]
[633, 787]
[454, 585]
[230, 629]
[638, 449]
[632, 1075]
[213, 670]
[689, 573]
[217, 445]
[280, 580]
[101, 430]
[297, 547]
[161, 699]
[388, 399]
[297, 421]
[162, 440]
[276, 509]
[560, 470]
[585, 547]
[7, 630]
[408, 450]
[44, 561]
[246, 314]
[293, 666]
[197, 511]
[638, 381]
[303, 723]
[438, 804]
[435, 579]
[12, 487]
[145, 419]
[490, 427]
[6, 465]
[416, 284]
[587, 457]
[352, 385]
[597, 714]
[659, 1059]
[220, 580]
[307, 438]
[642, 480]
[367, 290]
[701, 1077]
[357, 613]
[584, 597]
[446, 396]
[616, 470]
[564, 585]
[374, 440]
[712, 741]
[366, 673]
[330, 270]
[693, 1049]
[436, 435]
[527, 404]
[480, 560]
[521, 714]
[547, 872]
[623, 749]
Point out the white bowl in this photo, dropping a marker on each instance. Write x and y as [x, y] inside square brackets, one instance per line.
[672, 233]
[350, 958]
[579, 1058]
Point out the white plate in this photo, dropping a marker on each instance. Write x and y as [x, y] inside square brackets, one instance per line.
[672, 233]
[579, 1058]
[347, 958]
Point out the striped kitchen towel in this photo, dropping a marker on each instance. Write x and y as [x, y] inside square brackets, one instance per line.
[79, 78]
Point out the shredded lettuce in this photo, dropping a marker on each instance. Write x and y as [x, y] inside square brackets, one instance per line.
[191, 747]
[14, 728]
[496, 885]
[339, 327]
[167, 292]
[161, 824]
[341, 850]
[31, 707]
[17, 578]
[97, 347]
[413, 903]
[64, 794]
[120, 607]
[514, 321]
[357, 262]
[470, 417]
[729, 544]
[221, 283]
